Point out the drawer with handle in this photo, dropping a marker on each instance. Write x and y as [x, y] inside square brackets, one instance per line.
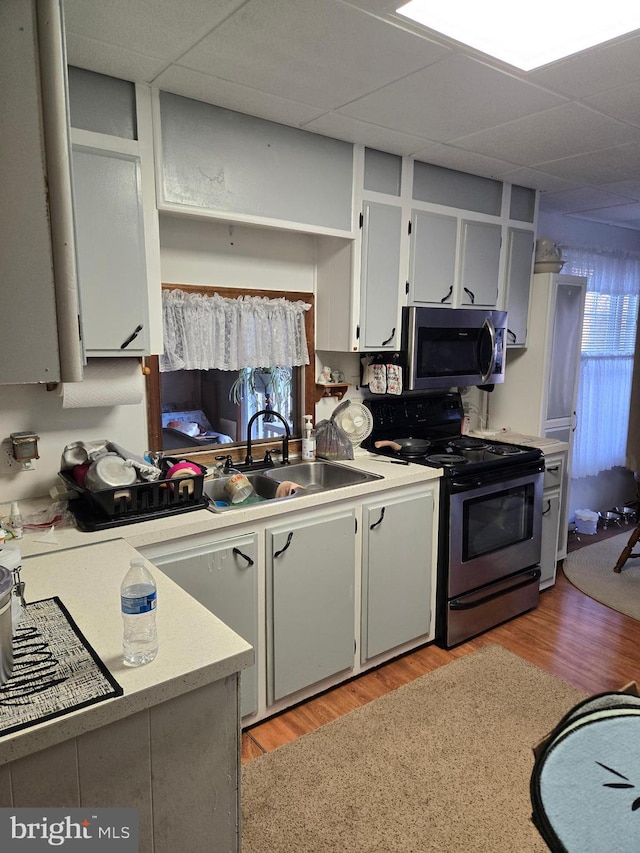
[553, 471]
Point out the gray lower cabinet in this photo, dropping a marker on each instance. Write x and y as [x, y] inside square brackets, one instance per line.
[223, 577]
[310, 601]
[396, 571]
[550, 526]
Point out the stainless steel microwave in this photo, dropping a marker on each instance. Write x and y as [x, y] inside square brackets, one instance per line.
[447, 347]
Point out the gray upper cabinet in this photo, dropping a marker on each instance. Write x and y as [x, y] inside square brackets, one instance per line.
[381, 242]
[520, 245]
[40, 341]
[111, 258]
[480, 264]
[116, 221]
[432, 272]
[236, 166]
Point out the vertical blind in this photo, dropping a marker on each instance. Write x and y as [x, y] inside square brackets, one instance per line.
[607, 358]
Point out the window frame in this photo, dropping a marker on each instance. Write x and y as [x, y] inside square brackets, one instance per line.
[306, 377]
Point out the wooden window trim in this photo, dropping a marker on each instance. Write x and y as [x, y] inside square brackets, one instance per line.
[154, 403]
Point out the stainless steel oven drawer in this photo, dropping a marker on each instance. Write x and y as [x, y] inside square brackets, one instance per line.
[477, 611]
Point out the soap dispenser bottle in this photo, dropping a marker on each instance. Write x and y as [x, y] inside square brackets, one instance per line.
[308, 440]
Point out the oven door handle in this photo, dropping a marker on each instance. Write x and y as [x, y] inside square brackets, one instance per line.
[532, 577]
[490, 329]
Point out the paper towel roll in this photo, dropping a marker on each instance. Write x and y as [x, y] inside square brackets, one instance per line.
[106, 382]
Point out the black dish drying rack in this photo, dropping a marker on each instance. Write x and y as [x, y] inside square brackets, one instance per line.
[104, 508]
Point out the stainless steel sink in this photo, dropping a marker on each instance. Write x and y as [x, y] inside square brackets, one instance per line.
[264, 488]
[310, 477]
[320, 476]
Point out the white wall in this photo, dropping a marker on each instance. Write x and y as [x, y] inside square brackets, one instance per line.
[33, 408]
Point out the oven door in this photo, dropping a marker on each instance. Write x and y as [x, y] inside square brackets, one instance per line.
[495, 528]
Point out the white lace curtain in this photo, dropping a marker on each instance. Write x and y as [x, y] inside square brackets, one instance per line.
[213, 332]
[607, 358]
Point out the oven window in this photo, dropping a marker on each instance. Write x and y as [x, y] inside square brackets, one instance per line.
[449, 352]
[497, 520]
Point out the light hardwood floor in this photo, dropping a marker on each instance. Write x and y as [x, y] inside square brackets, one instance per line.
[581, 641]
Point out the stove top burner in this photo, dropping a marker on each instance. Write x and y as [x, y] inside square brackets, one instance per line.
[505, 449]
[466, 442]
[443, 460]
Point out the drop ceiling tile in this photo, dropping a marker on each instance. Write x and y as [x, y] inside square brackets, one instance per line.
[110, 60]
[622, 103]
[213, 90]
[629, 187]
[464, 161]
[537, 179]
[160, 28]
[583, 198]
[371, 135]
[593, 71]
[626, 215]
[318, 52]
[550, 135]
[598, 167]
[450, 99]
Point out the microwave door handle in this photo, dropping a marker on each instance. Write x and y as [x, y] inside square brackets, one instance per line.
[490, 329]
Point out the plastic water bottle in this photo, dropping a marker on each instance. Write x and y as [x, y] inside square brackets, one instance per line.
[138, 601]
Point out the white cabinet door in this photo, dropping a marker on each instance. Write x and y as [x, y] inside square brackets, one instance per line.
[380, 289]
[112, 269]
[480, 264]
[568, 313]
[432, 275]
[550, 527]
[520, 245]
[223, 577]
[310, 601]
[397, 592]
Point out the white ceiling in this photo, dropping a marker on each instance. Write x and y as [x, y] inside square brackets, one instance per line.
[355, 70]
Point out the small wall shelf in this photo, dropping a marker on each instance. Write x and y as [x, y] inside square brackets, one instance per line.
[333, 389]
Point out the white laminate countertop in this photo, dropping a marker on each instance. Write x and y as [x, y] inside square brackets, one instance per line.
[547, 445]
[203, 521]
[195, 647]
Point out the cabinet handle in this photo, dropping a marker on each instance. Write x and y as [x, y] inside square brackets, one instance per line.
[512, 335]
[470, 294]
[379, 521]
[554, 469]
[131, 337]
[575, 422]
[244, 556]
[545, 511]
[444, 298]
[286, 545]
[390, 338]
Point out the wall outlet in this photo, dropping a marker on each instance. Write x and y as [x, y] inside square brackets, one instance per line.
[9, 465]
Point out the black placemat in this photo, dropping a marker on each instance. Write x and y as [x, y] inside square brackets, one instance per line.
[55, 669]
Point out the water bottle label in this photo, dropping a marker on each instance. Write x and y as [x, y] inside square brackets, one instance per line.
[141, 604]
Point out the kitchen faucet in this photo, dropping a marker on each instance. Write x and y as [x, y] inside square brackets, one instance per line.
[285, 439]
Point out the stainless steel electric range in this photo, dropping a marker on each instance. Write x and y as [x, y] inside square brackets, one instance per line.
[490, 510]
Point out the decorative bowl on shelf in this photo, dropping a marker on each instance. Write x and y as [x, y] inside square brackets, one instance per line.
[548, 266]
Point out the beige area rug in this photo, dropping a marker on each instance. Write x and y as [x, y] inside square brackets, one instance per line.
[440, 764]
[590, 569]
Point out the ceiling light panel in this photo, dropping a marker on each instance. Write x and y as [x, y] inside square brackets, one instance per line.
[526, 36]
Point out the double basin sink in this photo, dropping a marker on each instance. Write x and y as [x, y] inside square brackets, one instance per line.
[307, 477]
